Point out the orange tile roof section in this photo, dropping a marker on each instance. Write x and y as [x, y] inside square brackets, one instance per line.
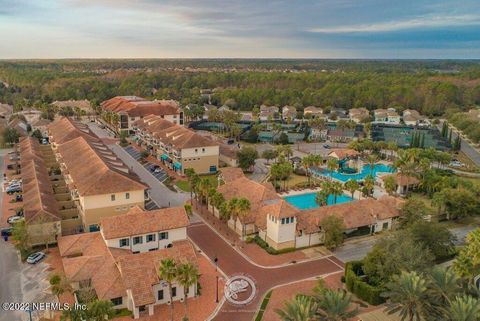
[136, 106]
[172, 134]
[138, 221]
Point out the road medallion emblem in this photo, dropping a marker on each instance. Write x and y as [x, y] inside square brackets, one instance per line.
[240, 289]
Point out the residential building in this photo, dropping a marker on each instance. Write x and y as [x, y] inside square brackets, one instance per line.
[393, 117]
[412, 117]
[337, 114]
[269, 113]
[289, 113]
[313, 112]
[380, 115]
[142, 231]
[403, 182]
[132, 108]
[124, 270]
[358, 115]
[282, 225]
[176, 146]
[19, 125]
[100, 183]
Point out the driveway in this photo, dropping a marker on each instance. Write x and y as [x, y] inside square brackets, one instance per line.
[232, 263]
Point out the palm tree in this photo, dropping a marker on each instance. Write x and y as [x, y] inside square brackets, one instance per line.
[336, 189]
[73, 315]
[204, 186]
[390, 184]
[369, 184]
[187, 275]
[371, 160]
[217, 200]
[335, 306]
[352, 186]
[302, 308]
[168, 273]
[192, 179]
[306, 163]
[59, 284]
[407, 294]
[321, 198]
[464, 308]
[243, 209]
[100, 310]
[443, 286]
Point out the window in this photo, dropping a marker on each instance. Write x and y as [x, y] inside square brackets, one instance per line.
[160, 295]
[124, 242]
[213, 169]
[117, 301]
[163, 235]
[385, 226]
[127, 196]
[203, 150]
[150, 238]
[196, 150]
[283, 221]
[112, 197]
[137, 240]
[174, 292]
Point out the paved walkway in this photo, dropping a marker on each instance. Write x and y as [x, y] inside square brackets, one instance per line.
[232, 263]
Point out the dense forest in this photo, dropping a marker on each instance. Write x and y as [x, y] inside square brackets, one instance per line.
[432, 87]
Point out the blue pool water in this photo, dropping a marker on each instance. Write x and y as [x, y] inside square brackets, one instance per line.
[307, 201]
[366, 170]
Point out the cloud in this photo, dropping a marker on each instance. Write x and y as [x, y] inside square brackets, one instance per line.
[417, 23]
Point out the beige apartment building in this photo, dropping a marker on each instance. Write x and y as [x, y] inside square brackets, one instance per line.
[132, 108]
[100, 184]
[177, 147]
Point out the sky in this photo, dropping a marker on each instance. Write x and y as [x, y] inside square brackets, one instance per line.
[407, 29]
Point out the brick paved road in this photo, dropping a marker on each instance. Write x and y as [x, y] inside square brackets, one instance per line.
[231, 263]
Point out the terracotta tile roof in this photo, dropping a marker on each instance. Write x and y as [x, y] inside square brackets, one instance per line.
[359, 112]
[230, 174]
[172, 134]
[137, 222]
[65, 129]
[137, 106]
[276, 207]
[39, 203]
[312, 110]
[402, 180]
[354, 214]
[255, 192]
[105, 173]
[92, 260]
[342, 153]
[140, 271]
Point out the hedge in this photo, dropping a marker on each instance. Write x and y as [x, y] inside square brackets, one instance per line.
[270, 250]
[360, 288]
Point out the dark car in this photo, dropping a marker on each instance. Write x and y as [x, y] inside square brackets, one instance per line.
[6, 231]
[19, 211]
[19, 198]
[230, 141]
[326, 146]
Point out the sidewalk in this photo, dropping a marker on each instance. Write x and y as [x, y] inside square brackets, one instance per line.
[254, 252]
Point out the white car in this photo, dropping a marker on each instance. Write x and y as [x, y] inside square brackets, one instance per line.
[456, 164]
[35, 257]
[14, 219]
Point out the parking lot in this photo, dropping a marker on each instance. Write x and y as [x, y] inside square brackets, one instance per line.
[155, 170]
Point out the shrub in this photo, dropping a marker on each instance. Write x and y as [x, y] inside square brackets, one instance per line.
[359, 287]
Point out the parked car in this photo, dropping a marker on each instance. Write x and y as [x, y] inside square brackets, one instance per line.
[326, 146]
[6, 231]
[14, 189]
[157, 170]
[13, 219]
[13, 166]
[45, 141]
[19, 211]
[35, 257]
[19, 198]
[456, 163]
[14, 157]
[230, 141]
[154, 167]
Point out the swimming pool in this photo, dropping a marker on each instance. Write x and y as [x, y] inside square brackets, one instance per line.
[366, 170]
[307, 201]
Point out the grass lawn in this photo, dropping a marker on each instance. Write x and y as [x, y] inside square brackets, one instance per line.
[183, 184]
[295, 179]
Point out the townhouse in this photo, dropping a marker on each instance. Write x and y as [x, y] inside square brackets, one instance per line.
[131, 108]
[359, 115]
[412, 117]
[282, 225]
[127, 275]
[269, 113]
[387, 116]
[289, 113]
[100, 184]
[177, 147]
[313, 112]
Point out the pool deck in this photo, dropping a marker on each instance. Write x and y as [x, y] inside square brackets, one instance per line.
[357, 195]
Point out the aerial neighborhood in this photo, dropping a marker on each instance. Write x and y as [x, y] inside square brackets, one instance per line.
[202, 207]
